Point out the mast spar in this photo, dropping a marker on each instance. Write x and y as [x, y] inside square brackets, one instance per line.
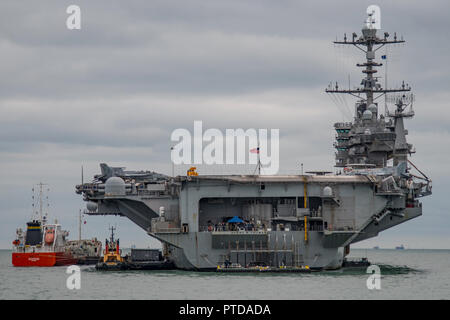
[39, 213]
[370, 139]
[369, 43]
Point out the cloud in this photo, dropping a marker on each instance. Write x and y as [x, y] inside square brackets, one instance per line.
[115, 90]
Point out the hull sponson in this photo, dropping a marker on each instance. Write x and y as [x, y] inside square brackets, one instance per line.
[355, 193]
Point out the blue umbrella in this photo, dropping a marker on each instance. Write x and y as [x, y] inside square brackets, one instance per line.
[235, 219]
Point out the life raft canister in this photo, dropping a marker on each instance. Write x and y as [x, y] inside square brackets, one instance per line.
[49, 236]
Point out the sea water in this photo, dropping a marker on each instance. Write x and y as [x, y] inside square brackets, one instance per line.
[405, 274]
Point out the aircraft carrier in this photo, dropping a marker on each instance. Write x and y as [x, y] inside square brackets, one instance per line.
[291, 220]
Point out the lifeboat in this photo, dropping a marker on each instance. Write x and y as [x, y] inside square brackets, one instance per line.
[49, 236]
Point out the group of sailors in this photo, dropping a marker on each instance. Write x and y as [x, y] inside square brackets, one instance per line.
[225, 226]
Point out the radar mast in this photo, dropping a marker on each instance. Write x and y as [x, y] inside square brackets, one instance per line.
[370, 139]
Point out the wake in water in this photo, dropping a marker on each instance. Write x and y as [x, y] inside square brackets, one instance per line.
[385, 269]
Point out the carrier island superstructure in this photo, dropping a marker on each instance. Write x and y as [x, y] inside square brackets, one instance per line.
[293, 220]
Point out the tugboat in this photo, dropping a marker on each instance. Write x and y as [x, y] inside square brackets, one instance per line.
[43, 244]
[112, 259]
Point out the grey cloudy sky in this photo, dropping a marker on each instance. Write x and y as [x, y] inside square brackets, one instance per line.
[115, 90]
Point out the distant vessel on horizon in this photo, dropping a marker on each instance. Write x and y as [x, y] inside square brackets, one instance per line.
[401, 247]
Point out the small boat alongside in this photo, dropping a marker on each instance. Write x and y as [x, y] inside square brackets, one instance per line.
[138, 259]
[85, 251]
[258, 267]
[112, 258]
[355, 263]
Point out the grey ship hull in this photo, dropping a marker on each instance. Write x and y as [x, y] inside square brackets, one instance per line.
[188, 256]
[340, 210]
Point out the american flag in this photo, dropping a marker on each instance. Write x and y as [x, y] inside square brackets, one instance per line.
[254, 150]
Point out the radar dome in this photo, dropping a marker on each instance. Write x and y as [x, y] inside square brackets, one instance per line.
[115, 186]
[367, 115]
[91, 206]
[373, 108]
[327, 191]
